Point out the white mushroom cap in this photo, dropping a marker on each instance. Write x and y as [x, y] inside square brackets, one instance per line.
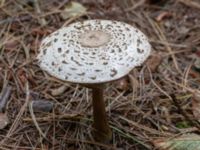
[93, 51]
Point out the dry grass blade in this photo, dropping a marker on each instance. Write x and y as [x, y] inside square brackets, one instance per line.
[153, 131]
[129, 136]
[36, 123]
[164, 40]
[92, 143]
[186, 75]
[158, 87]
[182, 86]
[18, 117]
[190, 3]
[55, 117]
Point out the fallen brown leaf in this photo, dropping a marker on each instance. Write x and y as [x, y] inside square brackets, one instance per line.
[11, 45]
[153, 62]
[73, 9]
[195, 74]
[122, 84]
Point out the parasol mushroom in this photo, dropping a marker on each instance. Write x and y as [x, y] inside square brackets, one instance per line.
[93, 53]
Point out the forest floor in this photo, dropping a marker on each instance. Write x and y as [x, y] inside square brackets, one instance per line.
[156, 102]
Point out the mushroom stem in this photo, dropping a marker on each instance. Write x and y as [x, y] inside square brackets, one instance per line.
[102, 130]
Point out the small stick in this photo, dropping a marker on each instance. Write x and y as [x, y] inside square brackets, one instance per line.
[42, 106]
[4, 97]
[57, 117]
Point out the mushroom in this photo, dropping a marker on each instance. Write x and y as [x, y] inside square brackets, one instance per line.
[93, 53]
